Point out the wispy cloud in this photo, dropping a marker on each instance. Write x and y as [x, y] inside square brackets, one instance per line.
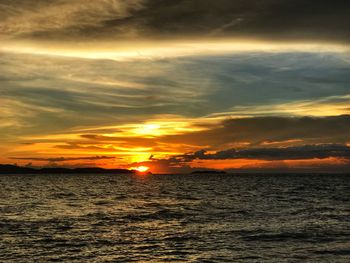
[63, 159]
[327, 106]
[115, 19]
[39, 17]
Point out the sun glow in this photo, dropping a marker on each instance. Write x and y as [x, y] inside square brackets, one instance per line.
[141, 169]
[119, 50]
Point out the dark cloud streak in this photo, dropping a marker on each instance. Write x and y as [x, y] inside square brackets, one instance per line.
[304, 152]
[257, 130]
[113, 19]
[184, 163]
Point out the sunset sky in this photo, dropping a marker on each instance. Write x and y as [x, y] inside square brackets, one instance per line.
[176, 85]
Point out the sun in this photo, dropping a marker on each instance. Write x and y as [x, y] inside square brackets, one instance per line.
[141, 169]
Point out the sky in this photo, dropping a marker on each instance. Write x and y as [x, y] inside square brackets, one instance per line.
[176, 86]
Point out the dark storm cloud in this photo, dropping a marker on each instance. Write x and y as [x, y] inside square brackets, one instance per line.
[280, 19]
[64, 159]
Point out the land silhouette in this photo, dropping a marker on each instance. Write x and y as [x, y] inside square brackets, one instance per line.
[13, 169]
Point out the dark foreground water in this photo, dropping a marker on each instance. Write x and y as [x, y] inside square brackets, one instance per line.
[197, 218]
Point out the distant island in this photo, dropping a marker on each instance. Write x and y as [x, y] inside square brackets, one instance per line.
[13, 169]
[208, 172]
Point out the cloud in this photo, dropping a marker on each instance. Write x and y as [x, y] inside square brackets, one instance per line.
[326, 106]
[268, 139]
[266, 130]
[259, 130]
[323, 157]
[115, 19]
[34, 89]
[54, 94]
[99, 106]
[321, 151]
[265, 138]
[63, 159]
[286, 19]
[61, 16]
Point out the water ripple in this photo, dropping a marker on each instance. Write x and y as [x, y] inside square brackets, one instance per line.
[179, 218]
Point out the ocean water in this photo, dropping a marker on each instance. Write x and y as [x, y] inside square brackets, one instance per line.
[175, 218]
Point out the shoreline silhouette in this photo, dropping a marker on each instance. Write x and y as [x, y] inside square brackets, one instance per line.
[13, 169]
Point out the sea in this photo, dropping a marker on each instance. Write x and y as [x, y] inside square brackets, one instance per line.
[175, 218]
